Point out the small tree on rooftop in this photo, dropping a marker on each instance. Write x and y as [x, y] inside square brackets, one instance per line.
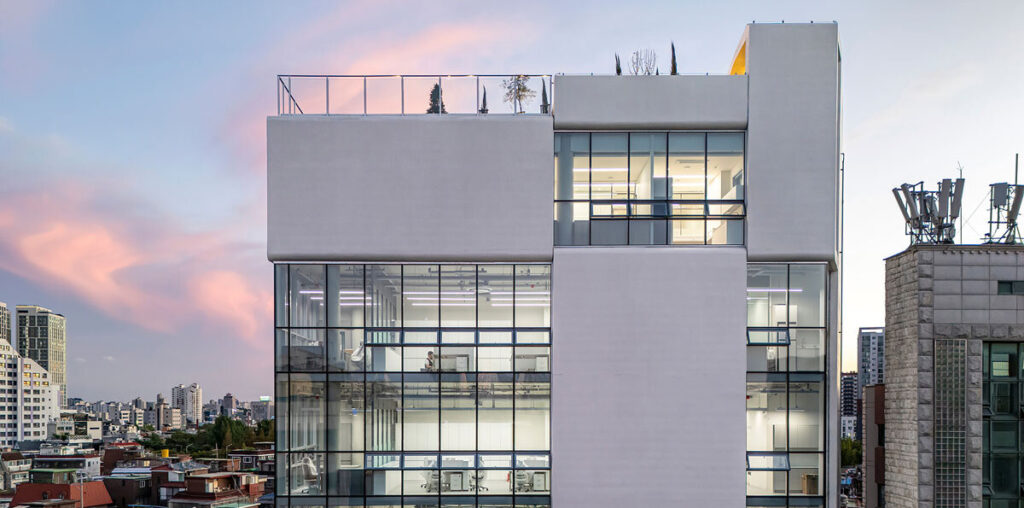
[544, 105]
[436, 101]
[643, 62]
[674, 71]
[618, 65]
[483, 104]
[517, 92]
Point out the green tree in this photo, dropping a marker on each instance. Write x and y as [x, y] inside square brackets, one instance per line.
[618, 65]
[674, 70]
[545, 107]
[852, 451]
[436, 101]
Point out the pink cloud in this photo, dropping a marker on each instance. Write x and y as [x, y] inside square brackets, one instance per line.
[233, 298]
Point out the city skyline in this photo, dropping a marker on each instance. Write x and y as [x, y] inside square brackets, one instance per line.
[113, 127]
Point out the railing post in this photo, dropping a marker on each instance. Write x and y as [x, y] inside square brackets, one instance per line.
[364, 95]
[327, 90]
[401, 80]
[278, 85]
[477, 94]
[291, 98]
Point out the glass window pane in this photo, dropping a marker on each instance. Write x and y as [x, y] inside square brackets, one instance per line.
[345, 350]
[725, 232]
[383, 413]
[766, 358]
[307, 296]
[384, 359]
[420, 482]
[420, 418]
[281, 465]
[572, 223]
[647, 166]
[766, 413]
[458, 413]
[807, 295]
[307, 350]
[725, 165]
[495, 482]
[495, 359]
[533, 412]
[420, 359]
[609, 166]
[1004, 435]
[281, 350]
[458, 295]
[307, 408]
[383, 287]
[420, 291]
[766, 295]
[306, 474]
[281, 295]
[686, 165]
[766, 483]
[805, 474]
[533, 337]
[533, 481]
[495, 292]
[572, 166]
[1004, 475]
[345, 411]
[281, 413]
[687, 232]
[533, 359]
[458, 359]
[806, 413]
[608, 232]
[494, 412]
[345, 295]
[648, 232]
[532, 296]
[807, 350]
[384, 483]
[345, 475]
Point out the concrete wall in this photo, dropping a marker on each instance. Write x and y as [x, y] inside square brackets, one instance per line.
[383, 188]
[650, 102]
[648, 377]
[793, 141]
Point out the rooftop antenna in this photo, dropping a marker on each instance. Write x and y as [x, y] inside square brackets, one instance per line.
[930, 216]
[1005, 201]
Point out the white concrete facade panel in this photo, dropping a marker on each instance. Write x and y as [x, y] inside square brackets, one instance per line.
[793, 142]
[650, 102]
[647, 349]
[426, 187]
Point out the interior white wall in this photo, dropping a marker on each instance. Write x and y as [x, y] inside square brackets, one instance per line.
[648, 381]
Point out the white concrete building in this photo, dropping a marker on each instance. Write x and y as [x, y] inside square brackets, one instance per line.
[41, 337]
[28, 400]
[444, 339]
[870, 357]
[190, 400]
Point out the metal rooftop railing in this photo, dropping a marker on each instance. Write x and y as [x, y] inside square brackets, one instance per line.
[414, 94]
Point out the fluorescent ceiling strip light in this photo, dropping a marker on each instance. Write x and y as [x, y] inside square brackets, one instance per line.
[774, 290]
[316, 298]
[311, 292]
[509, 293]
[521, 305]
[343, 292]
[436, 292]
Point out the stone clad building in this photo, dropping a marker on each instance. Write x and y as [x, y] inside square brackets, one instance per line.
[954, 333]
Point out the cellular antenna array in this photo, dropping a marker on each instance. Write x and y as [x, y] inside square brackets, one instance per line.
[930, 215]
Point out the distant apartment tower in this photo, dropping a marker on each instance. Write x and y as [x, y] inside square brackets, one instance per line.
[954, 344]
[190, 400]
[5, 323]
[629, 297]
[30, 399]
[848, 404]
[228, 405]
[41, 338]
[870, 358]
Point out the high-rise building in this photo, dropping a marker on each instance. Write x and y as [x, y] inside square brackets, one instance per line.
[228, 405]
[444, 339]
[954, 340]
[5, 323]
[848, 405]
[190, 400]
[41, 338]
[28, 399]
[870, 357]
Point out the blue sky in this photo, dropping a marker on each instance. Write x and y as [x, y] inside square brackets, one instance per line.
[132, 149]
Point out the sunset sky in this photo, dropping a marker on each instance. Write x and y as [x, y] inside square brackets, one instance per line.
[132, 143]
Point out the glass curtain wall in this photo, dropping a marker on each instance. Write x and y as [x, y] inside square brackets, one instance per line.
[649, 188]
[787, 316]
[413, 385]
[1002, 410]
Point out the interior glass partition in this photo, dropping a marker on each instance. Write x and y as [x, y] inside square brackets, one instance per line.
[787, 311]
[413, 385]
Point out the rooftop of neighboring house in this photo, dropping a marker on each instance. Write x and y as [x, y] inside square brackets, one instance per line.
[95, 493]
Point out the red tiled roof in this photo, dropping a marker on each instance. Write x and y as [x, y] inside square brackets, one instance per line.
[125, 443]
[95, 493]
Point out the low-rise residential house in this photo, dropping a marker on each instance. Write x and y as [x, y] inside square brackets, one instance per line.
[169, 479]
[82, 495]
[251, 460]
[228, 465]
[89, 464]
[219, 489]
[14, 468]
[129, 490]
